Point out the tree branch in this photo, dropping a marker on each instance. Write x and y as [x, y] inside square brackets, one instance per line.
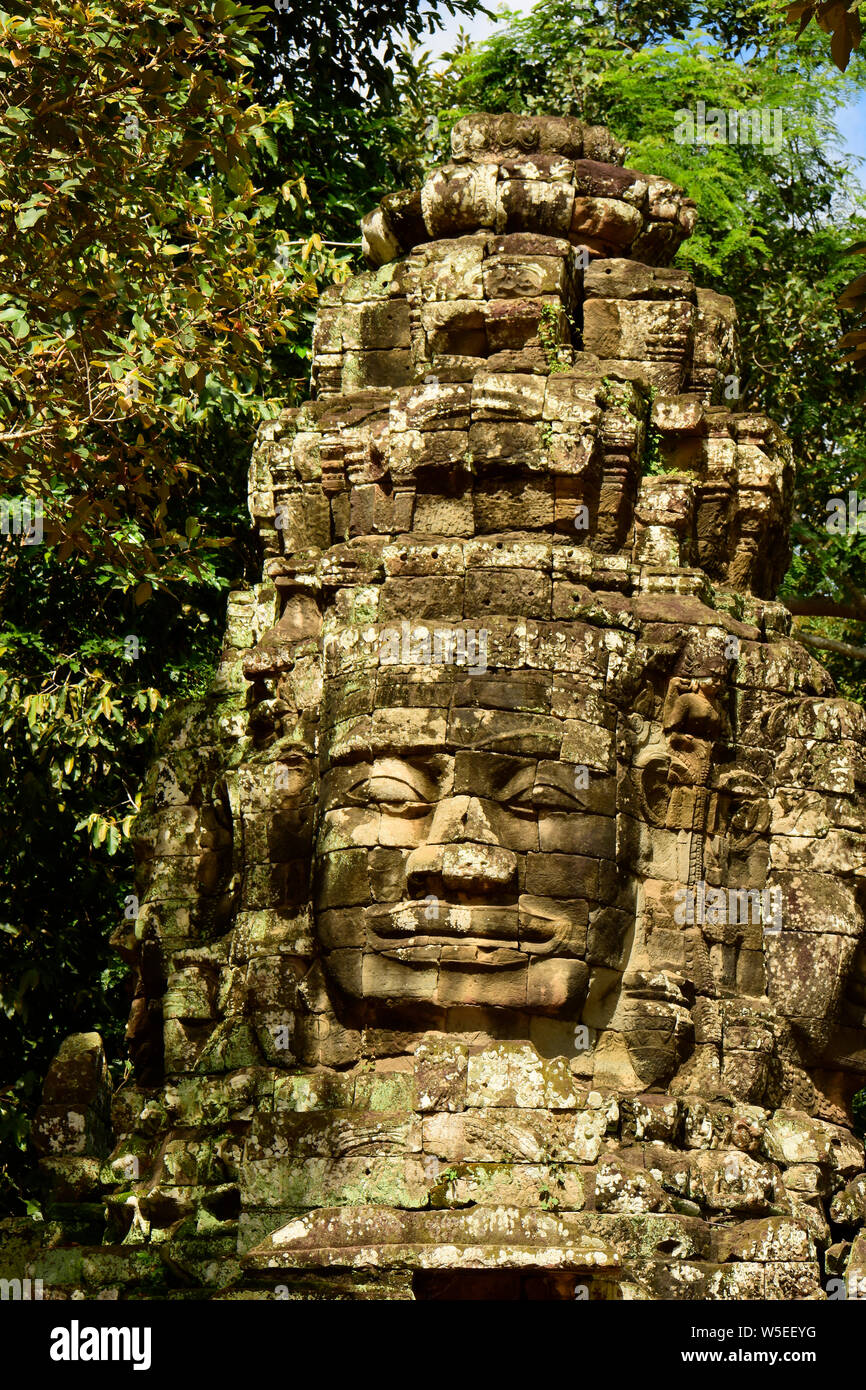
[827, 644]
[819, 607]
[857, 597]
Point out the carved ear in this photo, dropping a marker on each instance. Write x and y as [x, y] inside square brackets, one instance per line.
[748, 817]
[655, 790]
[751, 819]
[644, 703]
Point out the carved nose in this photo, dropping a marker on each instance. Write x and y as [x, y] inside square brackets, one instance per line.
[463, 851]
[461, 818]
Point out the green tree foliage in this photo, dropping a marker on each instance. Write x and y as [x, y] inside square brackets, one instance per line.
[775, 220]
[152, 308]
[135, 300]
[349, 72]
[140, 304]
[170, 178]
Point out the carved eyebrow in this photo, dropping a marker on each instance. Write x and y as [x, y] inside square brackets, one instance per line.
[567, 791]
[560, 778]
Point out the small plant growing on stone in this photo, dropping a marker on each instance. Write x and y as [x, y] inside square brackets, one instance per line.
[653, 464]
[652, 456]
[443, 1192]
[616, 393]
[548, 1194]
[558, 357]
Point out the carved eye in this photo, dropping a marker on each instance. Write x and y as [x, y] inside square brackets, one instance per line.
[544, 797]
[392, 793]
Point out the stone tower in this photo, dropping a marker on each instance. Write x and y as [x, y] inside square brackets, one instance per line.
[502, 905]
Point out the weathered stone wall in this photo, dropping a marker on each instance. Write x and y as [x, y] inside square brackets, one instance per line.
[501, 906]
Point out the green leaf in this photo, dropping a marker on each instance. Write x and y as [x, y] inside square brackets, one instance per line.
[28, 217]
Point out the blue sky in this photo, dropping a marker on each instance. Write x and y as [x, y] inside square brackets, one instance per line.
[852, 123]
[852, 120]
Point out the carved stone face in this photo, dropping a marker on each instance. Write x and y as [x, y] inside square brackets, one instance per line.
[605, 871]
[574, 844]
[461, 861]
[598, 824]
